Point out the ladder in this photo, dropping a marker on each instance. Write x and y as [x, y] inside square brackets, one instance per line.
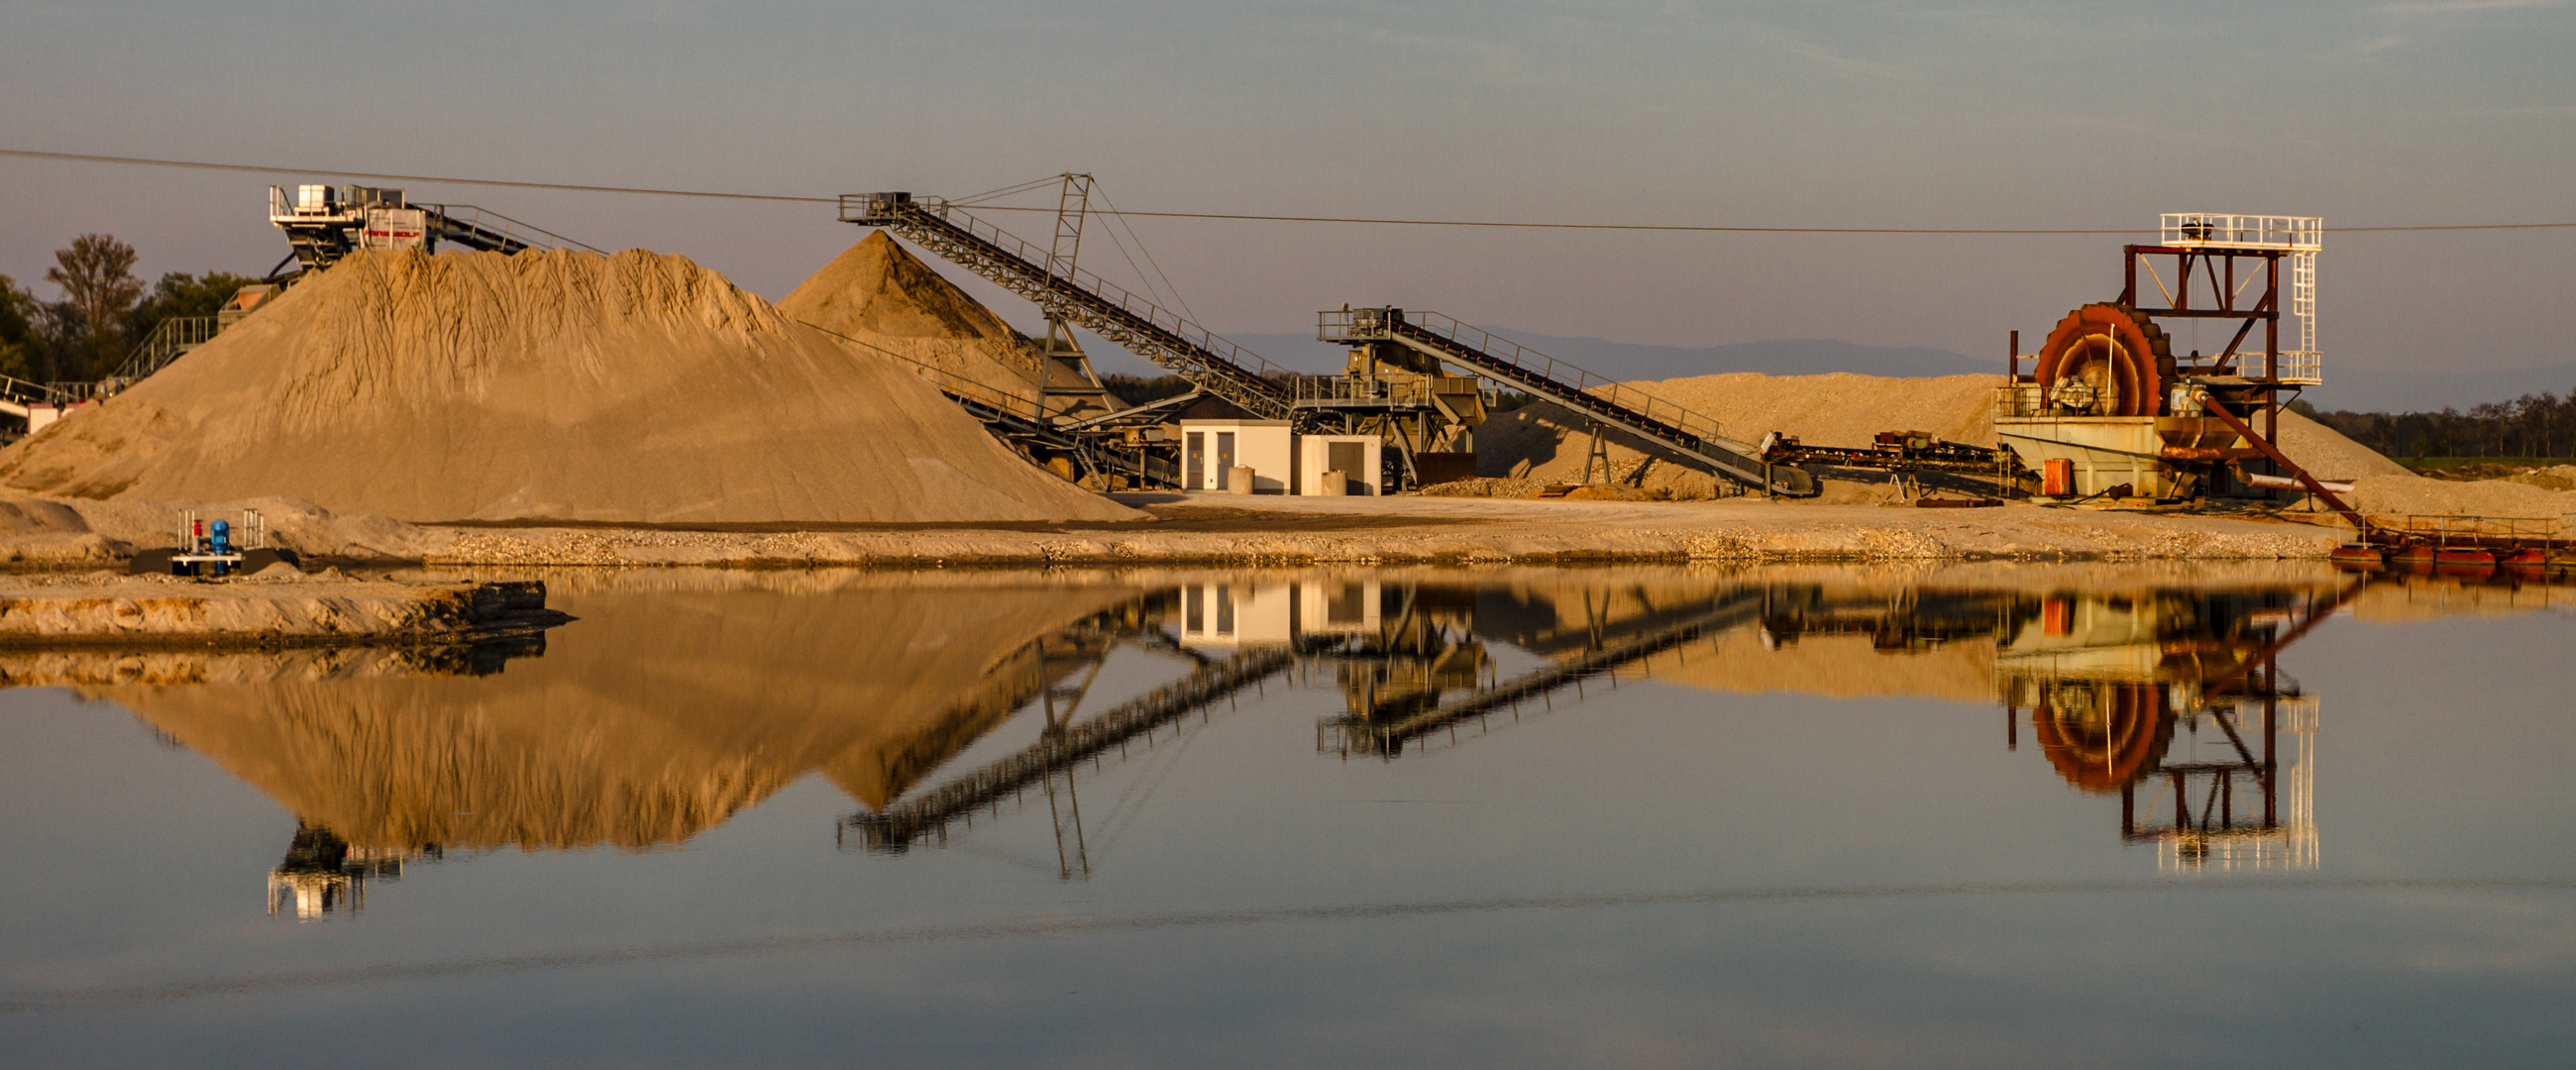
[1686, 434]
[1084, 299]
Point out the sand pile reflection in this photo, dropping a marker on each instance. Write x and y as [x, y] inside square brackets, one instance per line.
[662, 712]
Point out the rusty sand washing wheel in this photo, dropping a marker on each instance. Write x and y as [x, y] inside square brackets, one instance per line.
[2105, 360]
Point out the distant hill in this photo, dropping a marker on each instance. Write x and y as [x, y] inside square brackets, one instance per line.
[1629, 360]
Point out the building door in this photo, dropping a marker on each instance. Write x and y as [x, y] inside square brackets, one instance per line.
[1344, 457]
[1194, 463]
[1224, 459]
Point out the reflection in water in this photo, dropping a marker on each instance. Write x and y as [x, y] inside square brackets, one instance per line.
[673, 703]
[322, 874]
[2107, 682]
[680, 698]
[2108, 677]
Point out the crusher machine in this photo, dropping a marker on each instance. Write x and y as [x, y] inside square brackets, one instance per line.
[2107, 408]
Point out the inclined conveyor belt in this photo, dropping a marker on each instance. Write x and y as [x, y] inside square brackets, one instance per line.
[1184, 348]
[1686, 434]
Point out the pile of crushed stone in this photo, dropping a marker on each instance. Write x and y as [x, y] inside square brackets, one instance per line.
[880, 297]
[634, 387]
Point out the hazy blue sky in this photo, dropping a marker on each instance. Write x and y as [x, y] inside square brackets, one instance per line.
[1836, 114]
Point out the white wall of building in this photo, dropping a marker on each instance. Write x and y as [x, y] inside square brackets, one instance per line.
[1315, 457]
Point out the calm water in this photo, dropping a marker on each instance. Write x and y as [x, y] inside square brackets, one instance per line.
[1986, 815]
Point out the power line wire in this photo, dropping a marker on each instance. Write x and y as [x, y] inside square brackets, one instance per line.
[1238, 216]
[1739, 230]
[199, 165]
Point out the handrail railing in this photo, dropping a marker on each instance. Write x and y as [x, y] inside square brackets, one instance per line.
[173, 336]
[1531, 363]
[24, 392]
[2443, 529]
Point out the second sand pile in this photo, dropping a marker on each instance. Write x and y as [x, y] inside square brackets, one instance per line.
[883, 298]
[636, 388]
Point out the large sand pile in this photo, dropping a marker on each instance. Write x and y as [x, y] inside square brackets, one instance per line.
[1544, 442]
[878, 295]
[634, 387]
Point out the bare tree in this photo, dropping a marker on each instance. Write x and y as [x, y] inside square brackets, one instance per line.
[97, 278]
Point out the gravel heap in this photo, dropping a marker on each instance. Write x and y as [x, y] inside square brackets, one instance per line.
[634, 387]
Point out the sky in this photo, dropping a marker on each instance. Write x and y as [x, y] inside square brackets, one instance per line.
[2039, 115]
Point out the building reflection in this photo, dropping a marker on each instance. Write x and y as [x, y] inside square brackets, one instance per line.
[322, 874]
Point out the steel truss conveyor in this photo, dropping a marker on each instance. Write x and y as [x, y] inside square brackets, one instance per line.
[1184, 348]
[897, 827]
[1688, 435]
[1389, 740]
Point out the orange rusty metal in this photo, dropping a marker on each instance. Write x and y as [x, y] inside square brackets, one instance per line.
[2130, 349]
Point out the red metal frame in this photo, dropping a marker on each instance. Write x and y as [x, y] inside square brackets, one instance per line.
[2266, 310]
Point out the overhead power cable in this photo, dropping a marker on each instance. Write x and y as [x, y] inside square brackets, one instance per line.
[382, 177]
[1734, 230]
[1239, 216]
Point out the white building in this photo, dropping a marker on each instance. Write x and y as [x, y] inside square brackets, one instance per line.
[1212, 449]
[1282, 462]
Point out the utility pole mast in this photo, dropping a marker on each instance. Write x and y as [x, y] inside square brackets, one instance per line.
[1066, 383]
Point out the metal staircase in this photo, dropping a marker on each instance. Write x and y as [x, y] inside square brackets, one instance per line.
[167, 342]
[1084, 299]
[1689, 435]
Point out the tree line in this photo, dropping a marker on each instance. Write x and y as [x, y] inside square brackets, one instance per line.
[104, 312]
[2533, 425]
